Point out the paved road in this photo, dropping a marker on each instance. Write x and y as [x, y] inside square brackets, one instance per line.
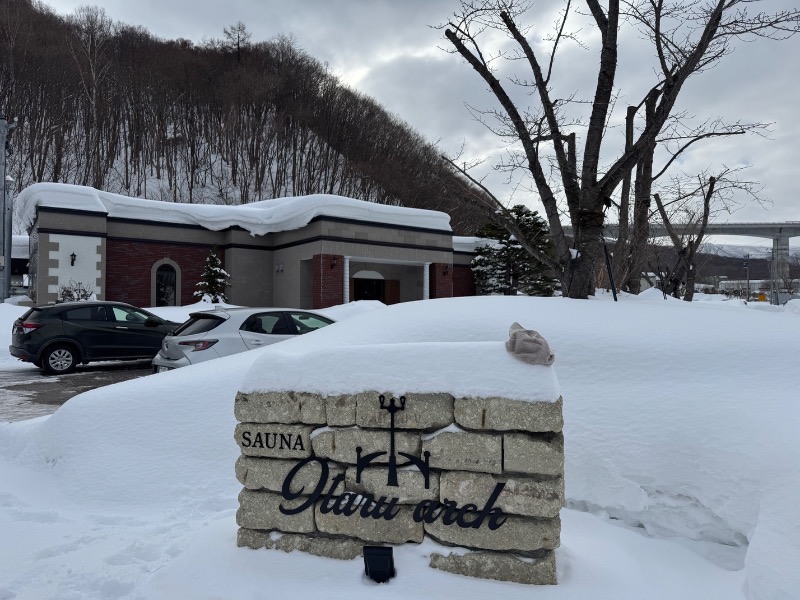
[27, 392]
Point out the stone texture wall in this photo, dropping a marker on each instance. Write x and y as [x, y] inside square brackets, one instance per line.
[472, 445]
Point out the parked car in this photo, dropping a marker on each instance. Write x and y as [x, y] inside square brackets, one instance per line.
[57, 337]
[224, 331]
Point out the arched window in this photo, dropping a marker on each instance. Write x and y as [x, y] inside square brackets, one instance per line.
[165, 283]
[166, 286]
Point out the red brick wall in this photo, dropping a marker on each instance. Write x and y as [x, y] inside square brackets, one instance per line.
[441, 282]
[463, 281]
[392, 292]
[129, 267]
[327, 286]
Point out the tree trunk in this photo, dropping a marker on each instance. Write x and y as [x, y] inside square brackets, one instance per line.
[581, 278]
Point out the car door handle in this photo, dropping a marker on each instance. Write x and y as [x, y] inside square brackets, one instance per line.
[120, 327]
[258, 343]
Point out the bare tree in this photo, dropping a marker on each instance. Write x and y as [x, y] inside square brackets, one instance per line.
[686, 38]
[686, 215]
[237, 37]
[676, 139]
[91, 45]
[109, 105]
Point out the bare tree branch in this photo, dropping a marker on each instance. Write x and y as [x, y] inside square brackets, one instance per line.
[496, 211]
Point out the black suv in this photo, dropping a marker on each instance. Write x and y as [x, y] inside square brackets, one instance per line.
[59, 336]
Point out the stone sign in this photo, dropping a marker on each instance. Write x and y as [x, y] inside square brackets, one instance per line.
[330, 474]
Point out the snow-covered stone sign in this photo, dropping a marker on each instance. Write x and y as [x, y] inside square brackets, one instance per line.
[328, 471]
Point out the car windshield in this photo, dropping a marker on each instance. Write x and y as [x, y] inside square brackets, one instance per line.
[305, 322]
[198, 324]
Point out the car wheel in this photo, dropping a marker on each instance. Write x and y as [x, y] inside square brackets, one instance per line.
[59, 360]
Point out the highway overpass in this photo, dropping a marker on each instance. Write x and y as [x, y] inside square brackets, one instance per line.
[780, 233]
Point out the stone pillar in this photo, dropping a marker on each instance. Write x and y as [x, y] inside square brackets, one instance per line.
[426, 281]
[346, 281]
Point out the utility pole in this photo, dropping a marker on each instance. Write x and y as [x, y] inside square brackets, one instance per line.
[8, 210]
[747, 271]
[773, 274]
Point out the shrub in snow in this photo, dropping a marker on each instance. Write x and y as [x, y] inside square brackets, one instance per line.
[75, 290]
[214, 279]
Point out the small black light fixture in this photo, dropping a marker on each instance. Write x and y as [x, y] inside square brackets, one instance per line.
[72, 258]
[446, 270]
[333, 262]
[379, 563]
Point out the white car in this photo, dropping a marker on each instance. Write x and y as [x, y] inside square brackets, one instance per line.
[225, 331]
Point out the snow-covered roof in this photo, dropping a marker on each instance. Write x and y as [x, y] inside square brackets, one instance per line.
[259, 218]
[468, 244]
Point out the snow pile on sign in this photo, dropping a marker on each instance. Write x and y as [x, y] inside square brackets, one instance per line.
[681, 421]
[463, 369]
[259, 218]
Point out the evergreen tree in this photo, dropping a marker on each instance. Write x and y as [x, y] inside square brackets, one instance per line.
[214, 279]
[504, 267]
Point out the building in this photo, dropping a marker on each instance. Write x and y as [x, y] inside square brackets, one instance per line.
[18, 284]
[307, 252]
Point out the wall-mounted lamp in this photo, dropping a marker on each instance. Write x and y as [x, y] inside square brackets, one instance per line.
[333, 262]
[446, 270]
[279, 268]
[72, 258]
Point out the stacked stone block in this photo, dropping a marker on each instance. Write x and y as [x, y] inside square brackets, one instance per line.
[473, 444]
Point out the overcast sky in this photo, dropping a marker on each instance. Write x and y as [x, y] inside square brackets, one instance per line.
[389, 50]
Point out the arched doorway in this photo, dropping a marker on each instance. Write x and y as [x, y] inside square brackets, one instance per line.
[369, 285]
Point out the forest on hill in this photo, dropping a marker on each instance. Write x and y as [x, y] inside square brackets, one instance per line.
[228, 121]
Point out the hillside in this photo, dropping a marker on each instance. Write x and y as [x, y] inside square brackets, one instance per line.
[228, 121]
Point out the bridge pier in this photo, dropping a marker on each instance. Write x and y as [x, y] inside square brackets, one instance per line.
[780, 254]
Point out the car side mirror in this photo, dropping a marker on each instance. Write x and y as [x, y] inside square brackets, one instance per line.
[151, 322]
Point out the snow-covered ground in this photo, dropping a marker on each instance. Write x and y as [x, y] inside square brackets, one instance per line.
[682, 464]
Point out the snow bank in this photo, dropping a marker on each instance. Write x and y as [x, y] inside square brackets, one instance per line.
[792, 306]
[259, 218]
[145, 441]
[677, 415]
[179, 314]
[680, 420]
[774, 553]
[343, 311]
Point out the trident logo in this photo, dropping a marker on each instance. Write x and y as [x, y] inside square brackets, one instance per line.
[363, 462]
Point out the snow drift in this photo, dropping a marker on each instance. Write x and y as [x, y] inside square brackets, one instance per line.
[680, 420]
